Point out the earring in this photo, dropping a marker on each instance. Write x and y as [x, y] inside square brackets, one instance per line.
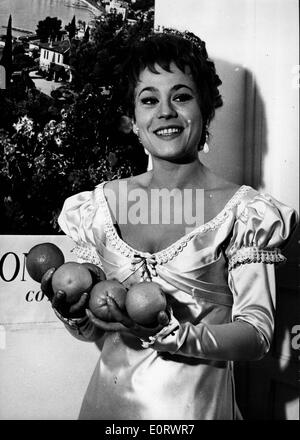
[135, 129]
[206, 148]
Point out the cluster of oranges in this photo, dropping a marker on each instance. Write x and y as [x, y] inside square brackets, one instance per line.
[142, 301]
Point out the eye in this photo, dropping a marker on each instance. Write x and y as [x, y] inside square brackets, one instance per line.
[149, 100]
[182, 97]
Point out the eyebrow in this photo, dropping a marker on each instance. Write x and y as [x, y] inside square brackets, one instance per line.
[174, 88]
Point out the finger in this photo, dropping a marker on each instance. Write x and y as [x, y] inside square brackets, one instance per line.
[98, 273]
[107, 326]
[46, 283]
[58, 301]
[81, 304]
[116, 313]
[162, 321]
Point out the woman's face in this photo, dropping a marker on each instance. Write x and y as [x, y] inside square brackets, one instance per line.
[167, 114]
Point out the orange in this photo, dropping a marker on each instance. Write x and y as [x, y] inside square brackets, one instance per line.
[72, 278]
[42, 257]
[99, 292]
[144, 301]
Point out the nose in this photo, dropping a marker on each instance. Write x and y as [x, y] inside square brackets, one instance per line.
[166, 110]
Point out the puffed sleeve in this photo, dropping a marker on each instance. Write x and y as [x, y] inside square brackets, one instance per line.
[76, 220]
[260, 232]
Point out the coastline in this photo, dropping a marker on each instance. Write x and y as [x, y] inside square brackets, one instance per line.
[92, 4]
[87, 5]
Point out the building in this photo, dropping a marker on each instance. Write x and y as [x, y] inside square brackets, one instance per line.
[34, 45]
[117, 7]
[54, 57]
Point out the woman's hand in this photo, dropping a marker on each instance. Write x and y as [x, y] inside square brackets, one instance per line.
[58, 299]
[124, 323]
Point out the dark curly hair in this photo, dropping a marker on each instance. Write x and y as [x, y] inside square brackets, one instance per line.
[184, 49]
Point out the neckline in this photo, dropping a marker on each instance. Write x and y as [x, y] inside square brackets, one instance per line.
[174, 248]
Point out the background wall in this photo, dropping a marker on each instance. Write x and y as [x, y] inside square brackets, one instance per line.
[255, 140]
[255, 46]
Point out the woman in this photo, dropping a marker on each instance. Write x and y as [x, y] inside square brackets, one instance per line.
[218, 275]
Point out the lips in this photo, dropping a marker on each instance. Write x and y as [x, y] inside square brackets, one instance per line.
[168, 131]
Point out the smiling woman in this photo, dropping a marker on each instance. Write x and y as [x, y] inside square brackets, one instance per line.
[167, 113]
[217, 279]
[170, 53]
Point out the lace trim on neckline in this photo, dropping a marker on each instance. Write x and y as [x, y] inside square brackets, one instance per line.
[87, 253]
[167, 254]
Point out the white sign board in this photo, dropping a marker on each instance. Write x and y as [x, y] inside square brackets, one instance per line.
[21, 299]
[37, 353]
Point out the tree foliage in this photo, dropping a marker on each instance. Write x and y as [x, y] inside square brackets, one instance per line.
[41, 166]
[71, 28]
[49, 28]
[95, 60]
[43, 162]
[142, 5]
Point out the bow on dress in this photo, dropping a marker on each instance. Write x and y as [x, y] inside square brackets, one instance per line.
[147, 265]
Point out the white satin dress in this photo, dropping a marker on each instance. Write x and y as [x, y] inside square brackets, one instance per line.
[220, 272]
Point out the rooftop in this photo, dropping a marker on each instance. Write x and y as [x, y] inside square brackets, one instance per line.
[57, 46]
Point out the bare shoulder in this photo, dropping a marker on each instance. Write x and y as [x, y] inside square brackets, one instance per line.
[225, 190]
[131, 182]
[218, 185]
[113, 189]
[114, 185]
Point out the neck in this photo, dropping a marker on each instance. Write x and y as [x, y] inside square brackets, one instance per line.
[173, 175]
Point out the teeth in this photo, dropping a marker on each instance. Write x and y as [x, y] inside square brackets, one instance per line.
[168, 131]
